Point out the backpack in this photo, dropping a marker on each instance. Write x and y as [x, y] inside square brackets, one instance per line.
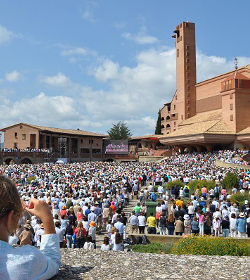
[139, 240]
[80, 234]
[145, 240]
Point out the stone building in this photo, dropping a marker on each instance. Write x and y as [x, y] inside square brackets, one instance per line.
[207, 115]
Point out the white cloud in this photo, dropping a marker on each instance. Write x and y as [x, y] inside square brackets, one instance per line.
[13, 76]
[132, 94]
[74, 51]
[107, 70]
[88, 15]
[140, 38]
[88, 12]
[59, 80]
[210, 66]
[5, 35]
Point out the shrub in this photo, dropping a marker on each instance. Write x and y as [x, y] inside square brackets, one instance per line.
[240, 198]
[208, 245]
[200, 183]
[167, 247]
[177, 183]
[231, 180]
[155, 248]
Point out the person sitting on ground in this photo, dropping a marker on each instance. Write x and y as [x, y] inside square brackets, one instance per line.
[43, 263]
[89, 245]
[105, 246]
[118, 244]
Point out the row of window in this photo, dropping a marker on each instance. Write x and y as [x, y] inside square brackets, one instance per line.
[87, 151]
[23, 136]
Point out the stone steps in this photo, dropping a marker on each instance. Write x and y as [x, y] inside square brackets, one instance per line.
[127, 210]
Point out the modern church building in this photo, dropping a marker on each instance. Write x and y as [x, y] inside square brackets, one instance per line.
[209, 115]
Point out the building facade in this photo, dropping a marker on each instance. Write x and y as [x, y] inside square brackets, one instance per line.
[210, 114]
[73, 145]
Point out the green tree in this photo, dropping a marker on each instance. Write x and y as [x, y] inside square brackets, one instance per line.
[119, 131]
[158, 124]
[231, 180]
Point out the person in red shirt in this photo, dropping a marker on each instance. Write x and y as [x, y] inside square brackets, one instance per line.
[63, 211]
[112, 206]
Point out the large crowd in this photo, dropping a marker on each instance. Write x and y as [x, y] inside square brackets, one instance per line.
[87, 198]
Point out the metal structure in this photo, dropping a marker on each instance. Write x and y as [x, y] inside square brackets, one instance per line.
[63, 147]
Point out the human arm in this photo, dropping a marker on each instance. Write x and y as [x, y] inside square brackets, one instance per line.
[41, 210]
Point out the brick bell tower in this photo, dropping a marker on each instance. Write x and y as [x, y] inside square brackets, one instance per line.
[183, 104]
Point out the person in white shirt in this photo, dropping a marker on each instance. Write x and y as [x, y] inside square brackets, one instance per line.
[142, 223]
[105, 246]
[26, 262]
[60, 232]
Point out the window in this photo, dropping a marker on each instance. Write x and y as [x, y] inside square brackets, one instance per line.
[187, 47]
[23, 136]
[231, 117]
[231, 96]
[96, 151]
[174, 123]
[162, 126]
[15, 135]
[231, 106]
[84, 151]
[81, 141]
[174, 107]
[187, 60]
[176, 97]
[91, 141]
[177, 52]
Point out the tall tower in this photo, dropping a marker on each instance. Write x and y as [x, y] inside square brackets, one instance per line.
[183, 105]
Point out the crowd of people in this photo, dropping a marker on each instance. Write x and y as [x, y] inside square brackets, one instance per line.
[87, 198]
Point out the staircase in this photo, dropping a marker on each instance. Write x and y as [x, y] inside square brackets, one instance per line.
[127, 210]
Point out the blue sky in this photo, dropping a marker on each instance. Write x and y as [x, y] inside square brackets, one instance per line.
[89, 64]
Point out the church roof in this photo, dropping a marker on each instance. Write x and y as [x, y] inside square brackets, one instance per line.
[203, 117]
[58, 130]
[244, 131]
[203, 123]
[236, 76]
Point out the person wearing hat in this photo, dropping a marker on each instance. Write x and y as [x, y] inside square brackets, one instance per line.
[92, 231]
[241, 225]
[26, 235]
